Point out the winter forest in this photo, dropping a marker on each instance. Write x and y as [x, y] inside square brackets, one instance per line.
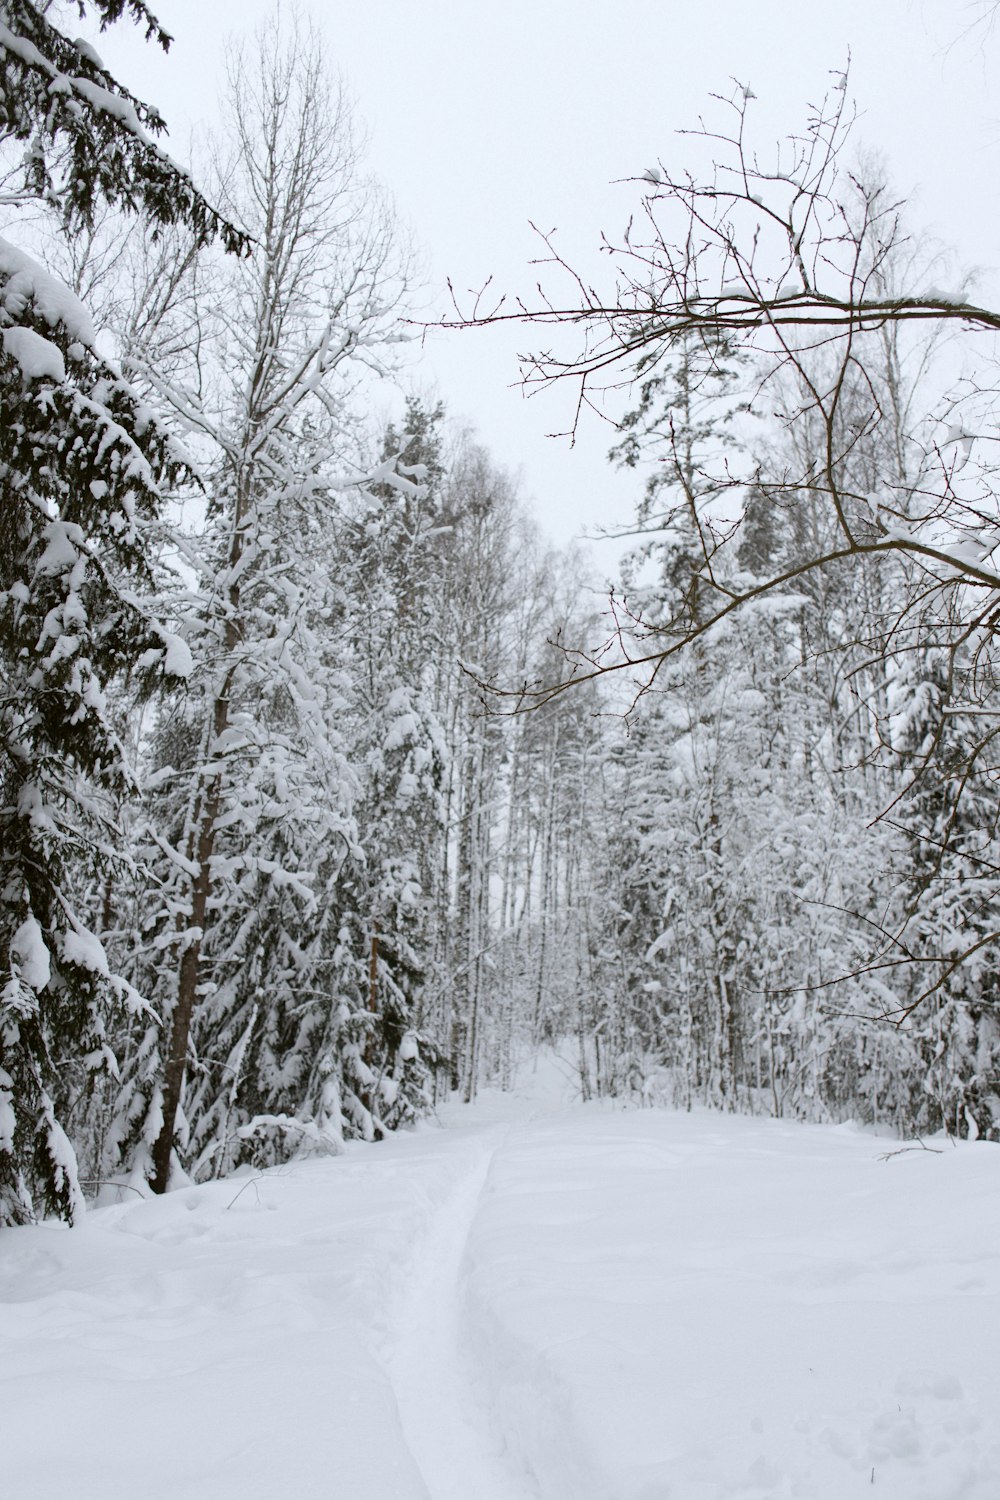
[329, 787]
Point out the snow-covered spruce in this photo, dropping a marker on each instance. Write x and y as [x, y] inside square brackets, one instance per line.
[82, 467]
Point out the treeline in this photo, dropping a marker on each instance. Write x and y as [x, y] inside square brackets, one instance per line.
[273, 876]
[802, 917]
[300, 831]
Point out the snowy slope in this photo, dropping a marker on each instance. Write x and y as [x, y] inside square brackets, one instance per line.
[535, 1301]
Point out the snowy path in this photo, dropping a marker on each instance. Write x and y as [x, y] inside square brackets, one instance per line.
[572, 1304]
[444, 1418]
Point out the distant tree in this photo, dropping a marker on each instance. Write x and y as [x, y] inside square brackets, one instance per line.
[401, 759]
[942, 962]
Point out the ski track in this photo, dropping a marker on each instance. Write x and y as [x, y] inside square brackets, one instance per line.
[448, 1431]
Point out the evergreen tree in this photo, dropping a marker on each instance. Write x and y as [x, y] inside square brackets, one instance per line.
[398, 749]
[82, 467]
[949, 814]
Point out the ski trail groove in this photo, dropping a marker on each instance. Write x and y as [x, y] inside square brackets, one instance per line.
[449, 1434]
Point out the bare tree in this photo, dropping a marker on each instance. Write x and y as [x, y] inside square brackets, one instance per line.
[790, 263]
[798, 263]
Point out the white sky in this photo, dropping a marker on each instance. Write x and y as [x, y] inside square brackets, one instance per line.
[483, 118]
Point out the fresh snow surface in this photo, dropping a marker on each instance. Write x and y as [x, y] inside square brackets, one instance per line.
[531, 1299]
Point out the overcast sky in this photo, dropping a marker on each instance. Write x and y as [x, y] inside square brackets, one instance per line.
[483, 118]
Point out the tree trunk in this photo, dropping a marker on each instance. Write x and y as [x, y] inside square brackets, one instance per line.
[187, 994]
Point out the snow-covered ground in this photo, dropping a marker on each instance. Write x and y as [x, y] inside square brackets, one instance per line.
[537, 1300]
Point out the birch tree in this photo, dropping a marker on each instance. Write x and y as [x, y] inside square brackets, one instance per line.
[260, 791]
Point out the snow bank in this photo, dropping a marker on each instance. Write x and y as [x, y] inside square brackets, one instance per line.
[216, 1345]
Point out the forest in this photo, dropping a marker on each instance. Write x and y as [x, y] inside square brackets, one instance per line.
[328, 787]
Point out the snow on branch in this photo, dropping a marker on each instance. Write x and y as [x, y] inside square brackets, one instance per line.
[56, 93]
